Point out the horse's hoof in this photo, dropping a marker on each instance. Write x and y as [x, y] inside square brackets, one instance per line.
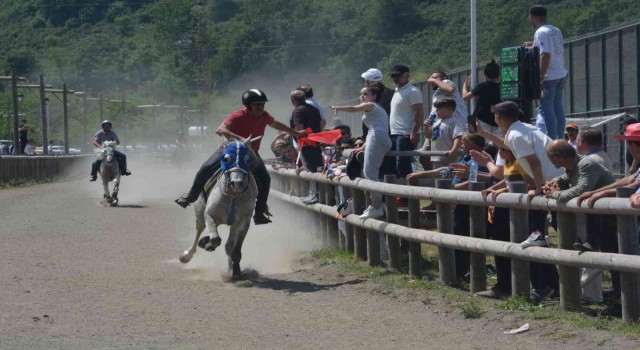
[236, 272]
[209, 244]
[185, 257]
[203, 242]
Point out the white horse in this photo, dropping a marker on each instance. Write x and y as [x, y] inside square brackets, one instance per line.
[109, 171]
[230, 202]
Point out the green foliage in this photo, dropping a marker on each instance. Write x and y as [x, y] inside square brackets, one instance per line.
[168, 51]
[471, 309]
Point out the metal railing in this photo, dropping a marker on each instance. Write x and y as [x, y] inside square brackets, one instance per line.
[362, 236]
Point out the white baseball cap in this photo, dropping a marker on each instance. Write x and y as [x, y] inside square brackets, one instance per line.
[372, 74]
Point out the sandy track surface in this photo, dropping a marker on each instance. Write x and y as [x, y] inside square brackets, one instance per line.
[76, 275]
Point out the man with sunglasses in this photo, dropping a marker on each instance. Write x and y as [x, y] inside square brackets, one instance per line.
[405, 119]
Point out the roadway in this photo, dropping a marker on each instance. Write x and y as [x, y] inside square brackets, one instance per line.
[77, 275]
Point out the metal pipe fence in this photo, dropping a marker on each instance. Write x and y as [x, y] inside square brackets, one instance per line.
[365, 233]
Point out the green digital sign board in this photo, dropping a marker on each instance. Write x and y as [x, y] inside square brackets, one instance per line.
[510, 74]
[509, 91]
[510, 55]
[511, 60]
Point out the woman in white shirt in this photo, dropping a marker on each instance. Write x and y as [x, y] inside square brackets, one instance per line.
[377, 142]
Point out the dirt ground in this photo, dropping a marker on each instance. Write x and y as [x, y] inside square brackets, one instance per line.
[77, 275]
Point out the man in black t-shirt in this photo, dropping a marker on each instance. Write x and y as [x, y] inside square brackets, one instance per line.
[488, 94]
[22, 134]
[306, 116]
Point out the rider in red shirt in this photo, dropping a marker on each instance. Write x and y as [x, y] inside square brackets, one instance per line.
[248, 121]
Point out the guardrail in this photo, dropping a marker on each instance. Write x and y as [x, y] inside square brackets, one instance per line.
[41, 167]
[362, 236]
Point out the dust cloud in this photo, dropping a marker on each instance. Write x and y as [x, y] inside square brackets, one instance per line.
[268, 249]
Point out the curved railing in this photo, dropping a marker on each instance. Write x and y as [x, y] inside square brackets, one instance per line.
[362, 236]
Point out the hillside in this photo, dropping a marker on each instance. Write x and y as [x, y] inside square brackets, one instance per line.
[203, 52]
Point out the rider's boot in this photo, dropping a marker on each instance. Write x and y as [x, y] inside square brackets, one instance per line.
[186, 199]
[261, 218]
[126, 172]
[93, 177]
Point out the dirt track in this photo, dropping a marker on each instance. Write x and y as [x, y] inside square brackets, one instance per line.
[79, 276]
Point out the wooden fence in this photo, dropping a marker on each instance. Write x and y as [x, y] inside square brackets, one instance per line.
[42, 167]
[363, 236]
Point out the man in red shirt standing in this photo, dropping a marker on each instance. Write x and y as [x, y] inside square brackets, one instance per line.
[251, 120]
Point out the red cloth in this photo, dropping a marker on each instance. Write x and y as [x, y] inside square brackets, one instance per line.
[244, 124]
[327, 137]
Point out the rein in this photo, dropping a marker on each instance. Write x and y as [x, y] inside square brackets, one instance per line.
[226, 183]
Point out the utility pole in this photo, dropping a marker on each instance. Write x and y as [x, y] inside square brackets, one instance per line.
[43, 115]
[474, 55]
[100, 103]
[14, 98]
[124, 120]
[66, 119]
[84, 120]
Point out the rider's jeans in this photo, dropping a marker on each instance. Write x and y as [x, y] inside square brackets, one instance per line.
[208, 168]
[403, 164]
[551, 118]
[120, 157]
[212, 165]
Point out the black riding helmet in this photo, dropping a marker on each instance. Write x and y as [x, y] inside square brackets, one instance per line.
[253, 96]
[105, 122]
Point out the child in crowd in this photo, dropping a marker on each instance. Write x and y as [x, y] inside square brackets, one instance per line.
[446, 132]
[487, 94]
[544, 277]
[456, 173]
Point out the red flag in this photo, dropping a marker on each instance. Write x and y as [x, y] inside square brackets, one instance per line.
[328, 137]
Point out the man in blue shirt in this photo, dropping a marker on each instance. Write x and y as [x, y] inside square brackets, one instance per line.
[106, 134]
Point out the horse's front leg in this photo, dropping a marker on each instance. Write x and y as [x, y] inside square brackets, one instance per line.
[116, 189]
[187, 255]
[214, 240]
[105, 187]
[233, 247]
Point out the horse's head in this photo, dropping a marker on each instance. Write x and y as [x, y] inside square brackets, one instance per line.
[237, 160]
[109, 151]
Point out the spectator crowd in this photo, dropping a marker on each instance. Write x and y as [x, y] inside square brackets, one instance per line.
[494, 143]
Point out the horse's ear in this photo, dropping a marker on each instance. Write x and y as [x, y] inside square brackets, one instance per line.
[248, 140]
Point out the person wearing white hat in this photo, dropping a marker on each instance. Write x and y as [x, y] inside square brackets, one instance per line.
[374, 77]
[371, 75]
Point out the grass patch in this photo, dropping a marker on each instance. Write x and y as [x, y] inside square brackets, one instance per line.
[24, 182]
[459, 298]
[471, 309]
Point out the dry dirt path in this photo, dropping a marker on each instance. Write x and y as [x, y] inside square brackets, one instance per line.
[76, 275]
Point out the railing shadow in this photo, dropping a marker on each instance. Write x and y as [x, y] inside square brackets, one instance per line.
[292, 287]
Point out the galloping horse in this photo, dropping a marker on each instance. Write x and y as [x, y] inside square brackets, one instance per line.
[230, 202]
[109, 171]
